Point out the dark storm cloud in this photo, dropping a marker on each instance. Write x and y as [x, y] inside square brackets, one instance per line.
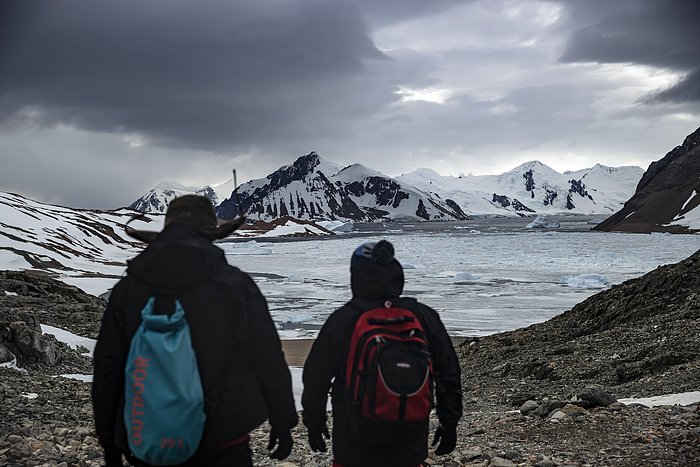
[207, 74]
[100, 101]
[659, 33]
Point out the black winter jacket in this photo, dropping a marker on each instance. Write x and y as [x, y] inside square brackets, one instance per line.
[244, 375]
[325, 364]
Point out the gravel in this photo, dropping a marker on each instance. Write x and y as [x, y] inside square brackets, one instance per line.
[539, 396]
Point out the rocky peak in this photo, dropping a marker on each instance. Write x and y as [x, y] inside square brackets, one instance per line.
[302, 167]
[690, 142]
[662, 196]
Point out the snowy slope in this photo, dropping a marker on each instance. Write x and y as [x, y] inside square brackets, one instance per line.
[88, 248]
[689, 215]
[67, 242]
[312, 188]
[533, 188]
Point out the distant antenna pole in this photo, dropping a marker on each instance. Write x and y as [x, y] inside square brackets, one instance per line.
[235, 191]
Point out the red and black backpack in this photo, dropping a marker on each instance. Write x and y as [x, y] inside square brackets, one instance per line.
[389, 370]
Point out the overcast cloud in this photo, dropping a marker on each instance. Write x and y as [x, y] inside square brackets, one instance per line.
[100, 101]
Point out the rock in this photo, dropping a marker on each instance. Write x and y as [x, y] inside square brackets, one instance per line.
[558, 415]
[502, 370]
[14, 439]
[513, 455]
[547, 463]
[519, 398]
[471, 454]
[5, 354]
[26, 338]
[546, 408]
[596, 397]
[528, 407]
[545, 371]
[501, 462]
[573, 410]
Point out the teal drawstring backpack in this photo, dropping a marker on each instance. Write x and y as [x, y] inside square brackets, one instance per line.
[164, 401]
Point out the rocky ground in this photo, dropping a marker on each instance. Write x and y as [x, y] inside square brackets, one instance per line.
[542, 396]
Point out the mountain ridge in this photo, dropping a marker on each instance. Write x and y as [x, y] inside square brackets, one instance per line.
[314, 188]
[665, 199]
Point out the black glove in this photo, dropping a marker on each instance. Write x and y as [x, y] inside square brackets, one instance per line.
[447, 438]
[316, 435]
[283, 440]
[113, 456]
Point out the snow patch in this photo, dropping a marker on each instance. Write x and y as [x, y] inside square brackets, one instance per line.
[12, 364]
[683, 398]
[73, 341]
[30, 395]
[689, 199]
[690, 219]
[10, 294]
[298, 387]
[297, 384]
[79, 377]
[290, 228]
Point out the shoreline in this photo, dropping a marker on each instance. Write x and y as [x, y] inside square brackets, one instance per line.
[296, 350]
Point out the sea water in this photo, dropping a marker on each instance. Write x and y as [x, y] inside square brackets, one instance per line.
[483, 276]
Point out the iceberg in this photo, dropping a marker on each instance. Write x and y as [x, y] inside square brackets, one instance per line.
[541, 222]
[585, 281]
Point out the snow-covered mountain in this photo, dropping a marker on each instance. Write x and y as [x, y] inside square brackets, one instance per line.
[89, 248]
[157, 199]
[533, 188]
[312, 188]
[69, 243]
[666, 199]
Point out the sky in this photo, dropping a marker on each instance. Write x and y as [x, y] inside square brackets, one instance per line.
[101, 101]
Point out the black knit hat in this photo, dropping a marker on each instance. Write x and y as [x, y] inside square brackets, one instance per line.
[374, 272]
[195, 211]
[381, 252]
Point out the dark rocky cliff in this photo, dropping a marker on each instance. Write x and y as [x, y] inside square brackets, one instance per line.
[662, 192]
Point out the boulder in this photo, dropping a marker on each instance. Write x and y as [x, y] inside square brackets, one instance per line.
[25, 340]
[596, 397]
[528, 407]
[547, 408]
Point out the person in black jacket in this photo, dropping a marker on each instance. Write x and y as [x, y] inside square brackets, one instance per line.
[375, 278]
[244, 375]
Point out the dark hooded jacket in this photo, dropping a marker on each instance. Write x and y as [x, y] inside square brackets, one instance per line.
[372, 284]
[242, 368]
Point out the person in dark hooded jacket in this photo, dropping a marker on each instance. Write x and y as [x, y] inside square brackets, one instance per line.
[243, 372]
[375, 278]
